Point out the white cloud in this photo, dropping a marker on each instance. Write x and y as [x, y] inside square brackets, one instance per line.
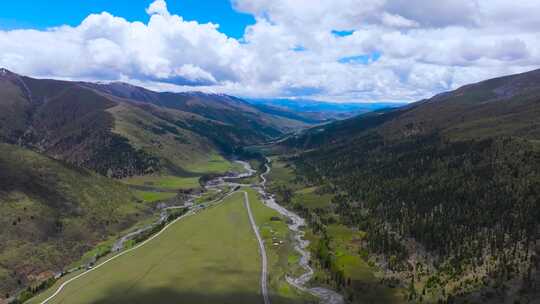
[194, 74]
[158, 7]
[167, 49]
[439, 13]
[424, 47]
[397, 21]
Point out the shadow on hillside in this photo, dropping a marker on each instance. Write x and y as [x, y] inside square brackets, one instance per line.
[125, 295]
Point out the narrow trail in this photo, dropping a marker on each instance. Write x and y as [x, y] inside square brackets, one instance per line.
[326, 295]
[262, 250]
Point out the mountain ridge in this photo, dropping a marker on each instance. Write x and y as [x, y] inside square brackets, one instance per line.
[478, 103]
[73, 121]
[448, 185]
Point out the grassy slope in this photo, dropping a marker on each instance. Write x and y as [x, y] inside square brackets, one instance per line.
[506, 106]
[249, 122]
[280, 174]
[350, 257]
[187, 264]
[52, 213]
[184, 155]
[67, 122]
[175, 147]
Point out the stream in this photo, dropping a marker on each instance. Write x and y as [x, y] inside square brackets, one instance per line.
[326, 295]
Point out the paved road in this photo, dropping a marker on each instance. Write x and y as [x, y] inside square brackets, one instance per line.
[262, 250]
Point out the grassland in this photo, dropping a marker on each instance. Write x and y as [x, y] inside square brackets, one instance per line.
[281, 174]
[211, 257]
[166, 182]
[152, 196]
[214, 163]
[208, 258]
[161, 187]
[210, 195]
[350, 258]
[174, 146]
[248, 180]
[282, 258]
[309, 198]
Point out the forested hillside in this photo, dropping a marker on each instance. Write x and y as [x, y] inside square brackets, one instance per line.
[446, 189]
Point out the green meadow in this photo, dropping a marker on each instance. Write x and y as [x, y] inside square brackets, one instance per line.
[350, 258]
[309, 198]
[282, 258]
[210, 257]
[215, 163]
[166, 182]
[163, 182]
[152, 196]
[281, 174]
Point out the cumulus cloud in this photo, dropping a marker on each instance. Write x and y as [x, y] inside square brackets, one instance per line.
[440, 13]
[166, 49]
[414, 48]
[397, 21]
[158, 7]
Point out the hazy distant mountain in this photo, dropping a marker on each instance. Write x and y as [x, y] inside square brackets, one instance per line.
[319, 110]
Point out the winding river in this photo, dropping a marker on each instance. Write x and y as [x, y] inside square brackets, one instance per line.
[296, 222]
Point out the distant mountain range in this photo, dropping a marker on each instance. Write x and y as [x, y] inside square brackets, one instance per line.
[120, 130]
[319, 111]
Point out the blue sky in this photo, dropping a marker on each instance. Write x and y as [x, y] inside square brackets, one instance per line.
[41, 14]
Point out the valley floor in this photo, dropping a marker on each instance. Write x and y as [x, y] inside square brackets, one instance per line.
[209, 257]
